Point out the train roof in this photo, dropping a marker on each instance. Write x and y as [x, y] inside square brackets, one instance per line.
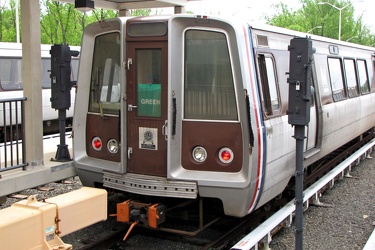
[260, 28]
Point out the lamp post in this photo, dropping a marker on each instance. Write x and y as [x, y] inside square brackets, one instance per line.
[316, 27]
[339, 9]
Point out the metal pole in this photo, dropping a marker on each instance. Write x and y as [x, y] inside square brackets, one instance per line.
[299, 135]
[340, 25]
[299, 101]
[62, 153]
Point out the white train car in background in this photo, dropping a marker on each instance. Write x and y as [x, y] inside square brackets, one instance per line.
[11, 86]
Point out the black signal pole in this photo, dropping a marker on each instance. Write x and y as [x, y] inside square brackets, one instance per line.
[299, 80]
[60, 92]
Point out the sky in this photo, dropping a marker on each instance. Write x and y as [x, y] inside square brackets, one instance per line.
[257, 12]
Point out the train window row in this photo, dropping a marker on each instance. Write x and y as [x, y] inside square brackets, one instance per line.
[349, 77]
[11, 73]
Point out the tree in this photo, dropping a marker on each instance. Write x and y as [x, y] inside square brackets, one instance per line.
[322, 19]
[56, 21]
[61, 23]
[286, 18]
[141, 12]
[8, 22]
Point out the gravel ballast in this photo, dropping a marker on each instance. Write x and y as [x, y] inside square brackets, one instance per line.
[347, 224]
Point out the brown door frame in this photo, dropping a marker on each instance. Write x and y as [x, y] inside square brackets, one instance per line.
[147, 145]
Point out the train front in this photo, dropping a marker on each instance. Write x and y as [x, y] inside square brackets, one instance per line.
[167, 108]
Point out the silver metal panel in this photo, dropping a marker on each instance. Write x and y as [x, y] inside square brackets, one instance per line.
[150, 185]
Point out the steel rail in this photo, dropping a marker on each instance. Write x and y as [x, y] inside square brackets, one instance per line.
[263, 232]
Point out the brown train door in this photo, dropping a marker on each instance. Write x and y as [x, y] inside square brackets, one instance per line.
[147, 107]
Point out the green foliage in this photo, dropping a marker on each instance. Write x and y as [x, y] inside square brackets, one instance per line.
[8, 22]
[286, 19]
[323, 20]
[141, 12]
[60, 22]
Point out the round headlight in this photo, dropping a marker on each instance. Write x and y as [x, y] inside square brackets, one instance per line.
[226, 155]
[112, 146]
[96, 143]
[199, 154]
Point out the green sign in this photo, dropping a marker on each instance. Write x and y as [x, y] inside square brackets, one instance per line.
[149, 100]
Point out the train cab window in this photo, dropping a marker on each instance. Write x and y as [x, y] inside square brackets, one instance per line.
[105, 75]
[363, 77]
[351, 77]
[336, 78]
[268, 81]
[209, 92]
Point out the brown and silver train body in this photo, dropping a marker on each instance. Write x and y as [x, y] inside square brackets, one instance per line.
[189, 106]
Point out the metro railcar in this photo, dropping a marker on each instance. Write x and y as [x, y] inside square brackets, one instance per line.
[11, 85]
[190, 107]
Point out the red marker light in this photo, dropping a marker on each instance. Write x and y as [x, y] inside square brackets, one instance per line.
[96, 143]
[226, 155]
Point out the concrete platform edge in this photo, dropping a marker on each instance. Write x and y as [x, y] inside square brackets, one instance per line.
[18, 180]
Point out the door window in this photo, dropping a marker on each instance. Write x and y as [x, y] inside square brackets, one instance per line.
[268, 81]
[149, 82]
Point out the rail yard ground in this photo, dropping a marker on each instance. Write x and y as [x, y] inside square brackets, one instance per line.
[345, 223]
[348, 220]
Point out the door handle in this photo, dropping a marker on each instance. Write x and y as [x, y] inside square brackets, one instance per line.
[164, 130]
[129, 63]
[131, 107]
[130, 151]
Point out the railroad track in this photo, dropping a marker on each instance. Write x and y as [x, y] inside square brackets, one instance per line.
[259, 226]
[263, 234]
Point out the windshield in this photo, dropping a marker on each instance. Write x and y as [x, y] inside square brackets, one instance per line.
[105, 75]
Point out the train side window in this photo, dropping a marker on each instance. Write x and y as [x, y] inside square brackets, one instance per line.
[46, 68]
[270, 99]
[11, 73]
[209, 92]
[74, 69]
[363, 76]
[336, 78]
[105, 75]
[351, 77]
